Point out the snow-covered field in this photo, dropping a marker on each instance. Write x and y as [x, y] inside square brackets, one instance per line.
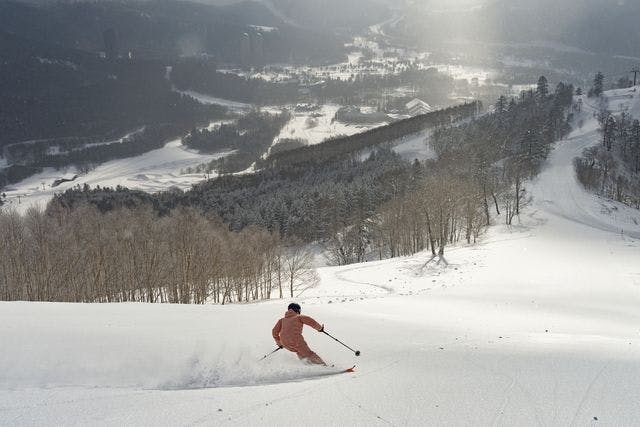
[538, 324]
[468, 73]
[153, 171]
[315, 127]
[409, 148]
[415, 147]
[212, 100]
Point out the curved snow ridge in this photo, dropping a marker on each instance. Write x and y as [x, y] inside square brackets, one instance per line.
[403, 276]
[341, 276]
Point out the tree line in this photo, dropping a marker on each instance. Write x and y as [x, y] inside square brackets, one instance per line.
[194, 75]
[250, 137]
[480, 174]
[304, 201]
[133, 255]
[341, 147]
[612, 167]
[301, 86]
[501, 151]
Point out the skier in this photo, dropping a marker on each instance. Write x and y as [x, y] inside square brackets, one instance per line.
[288, 334]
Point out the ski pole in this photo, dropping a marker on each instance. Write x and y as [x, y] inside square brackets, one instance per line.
[267, 355]
[357, 352]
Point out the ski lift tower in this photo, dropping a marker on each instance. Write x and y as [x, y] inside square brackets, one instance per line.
[635, 72]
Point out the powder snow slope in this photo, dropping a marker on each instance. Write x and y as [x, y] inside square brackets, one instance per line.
[567, 198]
[539, 324]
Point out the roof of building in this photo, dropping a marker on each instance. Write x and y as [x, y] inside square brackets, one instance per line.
[418, 103]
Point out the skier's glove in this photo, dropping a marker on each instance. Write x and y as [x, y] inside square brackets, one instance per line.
[321, 328]
[280, 346]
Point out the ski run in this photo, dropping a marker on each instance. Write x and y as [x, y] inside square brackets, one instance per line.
[536, 325]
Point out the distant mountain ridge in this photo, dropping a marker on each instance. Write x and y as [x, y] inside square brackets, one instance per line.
[166, 29]
[592, 25]
[317, 14]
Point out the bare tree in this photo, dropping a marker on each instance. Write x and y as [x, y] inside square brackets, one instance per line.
[298, 267]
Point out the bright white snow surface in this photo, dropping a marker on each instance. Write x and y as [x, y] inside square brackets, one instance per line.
[415, 147]
[538, 324]
[315, 127]
[154, 171]
[208, 99]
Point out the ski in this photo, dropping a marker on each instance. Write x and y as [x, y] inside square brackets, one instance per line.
[351, 369]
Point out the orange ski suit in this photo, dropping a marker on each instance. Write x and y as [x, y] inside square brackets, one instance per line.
[288, 334]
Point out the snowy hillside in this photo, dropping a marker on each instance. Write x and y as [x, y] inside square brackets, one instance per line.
[154, 171]
[317, 126]
[539, 324]
[569, 199]
[167, 167]
[164, 168]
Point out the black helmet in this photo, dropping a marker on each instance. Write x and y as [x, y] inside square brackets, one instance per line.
[295, 307]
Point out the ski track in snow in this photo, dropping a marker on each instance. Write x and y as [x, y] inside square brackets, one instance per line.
[537, 324]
